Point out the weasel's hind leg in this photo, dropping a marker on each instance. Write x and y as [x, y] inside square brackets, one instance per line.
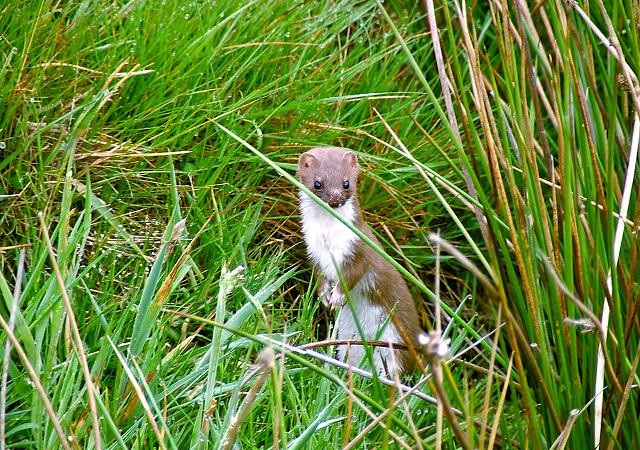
[371, 319]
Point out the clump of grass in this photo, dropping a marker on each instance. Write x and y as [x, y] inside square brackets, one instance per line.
[155, 140]
[551, 156]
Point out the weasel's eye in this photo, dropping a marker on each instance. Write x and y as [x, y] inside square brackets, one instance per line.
[317, 185]
[346, 184]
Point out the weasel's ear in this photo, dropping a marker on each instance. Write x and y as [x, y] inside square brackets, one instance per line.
[305, 160]
[351, 159]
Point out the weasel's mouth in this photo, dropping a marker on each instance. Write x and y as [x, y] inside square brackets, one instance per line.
[336, 203]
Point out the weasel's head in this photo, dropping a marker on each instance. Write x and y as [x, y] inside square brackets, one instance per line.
[331, 173]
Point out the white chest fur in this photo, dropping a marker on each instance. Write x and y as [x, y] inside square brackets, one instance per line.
[376, 325]
[329, 241]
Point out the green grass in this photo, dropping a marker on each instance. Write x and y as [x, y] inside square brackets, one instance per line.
[152, 139]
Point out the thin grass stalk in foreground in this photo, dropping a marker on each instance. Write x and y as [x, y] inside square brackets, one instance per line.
[415, 433]
[79, 345]
[165, 432]
[625, 398]
[437, 312]
[437, 240]
[435, 349]
[229, 280]
[266, 363]
[140, 394]
[491, 370]
[346, 435]
[503, 396]
[7, 349]
[617, 243]
[279, 424]
[561, 440]
[65, 438]
[563, 437]
[446, 86]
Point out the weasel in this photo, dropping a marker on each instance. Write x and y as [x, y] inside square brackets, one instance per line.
[381, 302]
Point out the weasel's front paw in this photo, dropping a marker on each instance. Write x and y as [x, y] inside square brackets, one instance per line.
[324, 292]
[335, 298]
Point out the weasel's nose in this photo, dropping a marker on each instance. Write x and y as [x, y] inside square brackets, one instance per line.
[335, 199]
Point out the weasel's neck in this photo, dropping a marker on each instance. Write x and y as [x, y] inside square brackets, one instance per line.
[329, 241]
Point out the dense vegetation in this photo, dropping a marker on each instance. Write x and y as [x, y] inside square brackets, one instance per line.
[154, 287]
